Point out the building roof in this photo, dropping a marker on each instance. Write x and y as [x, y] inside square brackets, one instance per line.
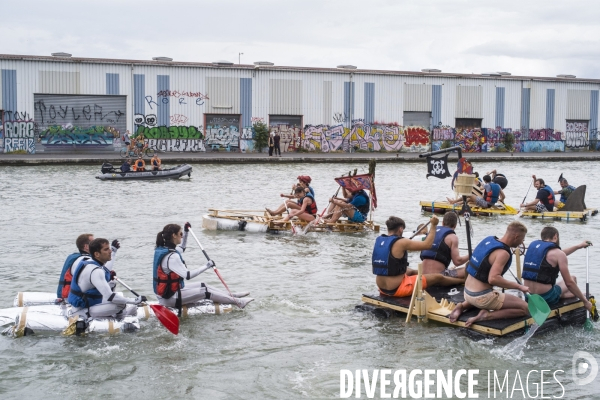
[220, 65]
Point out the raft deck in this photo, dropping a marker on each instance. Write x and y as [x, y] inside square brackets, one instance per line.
[261, 221]
[442, 207]
[439, 303]
[560, 215]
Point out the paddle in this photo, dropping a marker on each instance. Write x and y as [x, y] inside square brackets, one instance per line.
[538, 308]
[588, 326]
[523, 202]
[214, 268]
[163, 314]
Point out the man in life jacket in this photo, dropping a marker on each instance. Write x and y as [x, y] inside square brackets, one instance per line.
[155, 163]
[355, 205]
[390, 261]
[565, 191]
[308, 206]
[437, 258]
[498, 178]
[544, 260]
[491, 259]
[292, 204]
[492, 194]
[544, 200]
[83, 247]
[92, 287]
[139, 165]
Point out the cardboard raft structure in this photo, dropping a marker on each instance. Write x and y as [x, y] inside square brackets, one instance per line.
[573, 210]
[261, 221]
[436, 303]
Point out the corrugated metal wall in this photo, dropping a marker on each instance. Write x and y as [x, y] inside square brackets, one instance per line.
[500, 104]
[417, 97]
[550, 97]
[578, 104]
[285, 96]
[9, 90]
[327, 103]
[469, 101]
[436, 105]
[369, 102]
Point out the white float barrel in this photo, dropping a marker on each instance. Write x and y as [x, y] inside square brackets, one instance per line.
[25, 299]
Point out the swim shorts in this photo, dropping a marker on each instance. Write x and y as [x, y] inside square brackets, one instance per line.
[539, 207]
[406, 287]
[481, 202]
[486, 300]
[357, 217]
[552, 296]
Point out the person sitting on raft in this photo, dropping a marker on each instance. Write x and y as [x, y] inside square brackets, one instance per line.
[491, 259]
[170, 271]
[492, 194]
[390, 261]
[93, 284]
[83, 246]
[565, 191]
[308, 206]
[293, 203]
[126, 166]
[498, 178]
[140, 165]
[544, 259]
[355, 205]
[437, 258]
[544, 200]
[155, 163]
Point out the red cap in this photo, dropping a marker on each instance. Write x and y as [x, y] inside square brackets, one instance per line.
[305, 178]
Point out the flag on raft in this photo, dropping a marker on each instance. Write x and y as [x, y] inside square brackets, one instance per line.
[359, 182]
[462, 167]
[438, 167]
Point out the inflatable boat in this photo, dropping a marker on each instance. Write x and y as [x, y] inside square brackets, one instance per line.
[260, 222]
[111, 174]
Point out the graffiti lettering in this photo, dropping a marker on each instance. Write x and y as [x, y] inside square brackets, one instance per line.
[576, 140]
[170, 132]
[50, 113]
[76, 135]
[538, 146]
[443, 134]
[177, 94]
[416, 136]
[340, 118]
[18, 129]
[192, 145]
[17, 116]
[150, 102]
[222, 136]
[19, 144]
[255, 120]
[177, 119]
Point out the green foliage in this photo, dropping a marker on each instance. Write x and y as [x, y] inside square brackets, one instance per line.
[446, 144]
[21, 151]
[261, 135]
[509, 142]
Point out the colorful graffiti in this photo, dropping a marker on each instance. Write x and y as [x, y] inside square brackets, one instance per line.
[539, 146]
[577, 135]
[19, 136]
[191, 145]
[290, 136]
[170, 132]
[364, 137]
[247, 140]
[222, 136]
[76, 135]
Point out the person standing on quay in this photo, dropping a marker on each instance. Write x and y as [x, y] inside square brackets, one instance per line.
[276, 142]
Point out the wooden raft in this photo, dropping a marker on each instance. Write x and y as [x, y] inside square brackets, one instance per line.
[442, 207]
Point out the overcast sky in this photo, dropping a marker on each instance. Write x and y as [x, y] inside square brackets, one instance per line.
[524, 37]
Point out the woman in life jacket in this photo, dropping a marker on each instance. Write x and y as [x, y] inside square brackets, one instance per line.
[293, 203]
[155, 163]
[308, 206]
[170, 273]
[139, 165]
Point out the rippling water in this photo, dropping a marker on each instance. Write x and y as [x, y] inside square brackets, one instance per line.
[302, 328]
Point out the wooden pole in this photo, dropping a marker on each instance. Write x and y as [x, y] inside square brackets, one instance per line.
[414, 294]
[421, 312]
[518, 254]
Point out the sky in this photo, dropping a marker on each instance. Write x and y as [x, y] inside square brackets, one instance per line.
[526, 37]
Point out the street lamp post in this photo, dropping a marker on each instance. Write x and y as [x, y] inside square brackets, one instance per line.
[240, 58]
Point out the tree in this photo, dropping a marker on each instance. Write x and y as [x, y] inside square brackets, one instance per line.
[261, 135]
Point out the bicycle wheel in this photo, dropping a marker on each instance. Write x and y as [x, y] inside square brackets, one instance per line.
[149, 152]
[123, 153]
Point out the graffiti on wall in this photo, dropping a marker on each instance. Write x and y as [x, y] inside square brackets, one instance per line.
[178, 96]
[365, 137]
[77, 135]
[247, 139]
[577, 135]
[19, 136]
[540, 146]
[51, 113]
[290, 136]
[170, 132]
[191, 145]
[222, 136]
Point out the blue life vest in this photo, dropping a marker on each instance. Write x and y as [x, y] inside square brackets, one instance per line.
[165, 285]
[479, 265]
[383, 262]
[64, 282]
[90, 297]
[536, 267]
[364, 209]
[492, 197]
[549, 201]
[440, 250]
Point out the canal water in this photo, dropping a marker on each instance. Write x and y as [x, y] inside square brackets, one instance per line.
[302, 329]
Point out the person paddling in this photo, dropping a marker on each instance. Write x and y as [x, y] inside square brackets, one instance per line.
[308, 206]
[544, 200]
[544, 260]
[170, 271]
[491, 259]
[444, 250]
[73, 260]
[390, 261]
[92, 289]
[293, 203]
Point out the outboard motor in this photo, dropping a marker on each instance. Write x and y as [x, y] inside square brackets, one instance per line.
[106, 168]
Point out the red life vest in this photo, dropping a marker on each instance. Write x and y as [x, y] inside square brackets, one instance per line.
[165, 285]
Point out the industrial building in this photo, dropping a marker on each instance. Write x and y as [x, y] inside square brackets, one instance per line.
[61, 102]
